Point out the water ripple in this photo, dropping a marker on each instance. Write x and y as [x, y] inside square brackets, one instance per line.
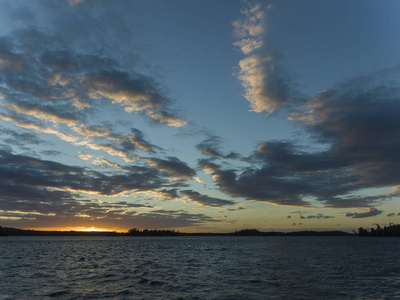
[199, 268]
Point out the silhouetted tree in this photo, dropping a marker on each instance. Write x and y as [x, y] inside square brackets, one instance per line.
[391, 230]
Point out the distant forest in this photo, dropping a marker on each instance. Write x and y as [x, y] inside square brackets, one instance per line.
[391, 230]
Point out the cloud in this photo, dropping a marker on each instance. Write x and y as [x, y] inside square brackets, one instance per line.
[358, 120]
[391, 215]
[137, 140]
[37, 127]
[78, 213]
[42, 193]
[166, 117]
[282, 174]
[43, 113]
[267, 85]
[315, 216]
[175, 168]
[266, 89]
[50, 152]
[90, 131]
[205, 200]
[17, 138]
[10, 62]
[249, 45]
[371, 212]
[85, 156]
[135, 92]
[100, 161]
[354, 127]
[235, 209]
[319, 216]
[78, 73]
[211, 147]
[29, 171]
[257, 185]
[167, 193]
[128, 142]
[253, 21]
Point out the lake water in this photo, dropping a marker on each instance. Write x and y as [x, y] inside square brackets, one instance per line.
[199, 268]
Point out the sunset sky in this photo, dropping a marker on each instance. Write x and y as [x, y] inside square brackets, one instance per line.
[199, 115]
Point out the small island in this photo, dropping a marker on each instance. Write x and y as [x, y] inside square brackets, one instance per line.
[391, 230]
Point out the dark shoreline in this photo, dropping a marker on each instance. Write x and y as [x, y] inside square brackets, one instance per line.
[7, 231]
[388, 231]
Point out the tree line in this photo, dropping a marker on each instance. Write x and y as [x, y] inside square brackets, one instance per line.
[391, 230]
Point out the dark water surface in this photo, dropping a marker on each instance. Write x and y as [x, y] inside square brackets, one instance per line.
[199, 268]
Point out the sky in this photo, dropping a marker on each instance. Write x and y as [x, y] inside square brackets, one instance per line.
[199, 116]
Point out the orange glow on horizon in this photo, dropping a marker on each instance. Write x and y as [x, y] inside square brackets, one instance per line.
[77, 228]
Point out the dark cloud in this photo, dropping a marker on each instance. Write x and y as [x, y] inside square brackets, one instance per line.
[88, 214]
[371, 212]
[169, 193]
[24, 198]
[359, 120]
[59, 68]
[43, 193]
[235, 209]
[174, 167]
[117, 144]
[356, 126]
[391, 215]
[50, 153]
[205, 200]
[10, 62]
[59, 114]
[134, 91]
[316, 216]
[29, 171]
[290, 158]
[258, 185]
[319, 216]
[137, 140]
[211, 147]
[77, 70]
[18, 138]
[71, 63]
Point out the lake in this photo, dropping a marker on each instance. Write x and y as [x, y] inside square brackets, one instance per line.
[199, 268]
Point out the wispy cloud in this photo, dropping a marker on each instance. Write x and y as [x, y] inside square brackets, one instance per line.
[54, 74]
[44, 113]
[205, 200]
[211, 147]
[371, 212]
[266, 85]
[174, 167]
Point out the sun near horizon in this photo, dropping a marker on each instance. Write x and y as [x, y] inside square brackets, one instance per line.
[77, 228]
